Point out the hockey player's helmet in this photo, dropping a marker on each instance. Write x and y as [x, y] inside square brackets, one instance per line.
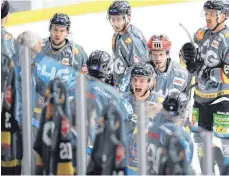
[60, 19]
[120, 7]
[4, 8]
[159, 43]
[175, 103]
[220, 5]
[100, 65]
[143, 69]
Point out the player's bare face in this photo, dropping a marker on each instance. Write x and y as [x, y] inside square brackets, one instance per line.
[159, 59]
[211, 18]
[140, 85]
[118, 22]
[58, 34]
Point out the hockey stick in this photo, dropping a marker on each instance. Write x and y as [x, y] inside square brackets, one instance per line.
[190, 75]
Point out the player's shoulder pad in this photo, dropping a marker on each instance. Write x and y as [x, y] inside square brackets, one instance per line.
[224, 34]
[7, 36]
[135, 33]
[199, 34]
[76, 48]
[178, 68]
[126, 95]
[45, 42]
[127, 39]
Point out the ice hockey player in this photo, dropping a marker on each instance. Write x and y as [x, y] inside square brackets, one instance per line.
[11, 154]
[169, 74]
[142, 83]
[170, 147]
[100, 66]
[209, 62]
[128, 43]
[7, 40]
[58, 45]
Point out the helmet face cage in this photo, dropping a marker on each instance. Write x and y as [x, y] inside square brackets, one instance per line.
[60, 19]
[100, 65]
[175, 103]
[159, 43]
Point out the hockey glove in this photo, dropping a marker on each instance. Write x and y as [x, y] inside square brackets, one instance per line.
[189, 55]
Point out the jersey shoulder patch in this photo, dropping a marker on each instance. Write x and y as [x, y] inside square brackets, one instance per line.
[199, 35]
[225, 38]
[127, 38]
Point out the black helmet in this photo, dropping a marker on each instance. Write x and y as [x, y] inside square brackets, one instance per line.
[100, 65]
[175, 102]
[120, 7]
[60, 19]
[220, 5]
[142, 69]
[4, 8]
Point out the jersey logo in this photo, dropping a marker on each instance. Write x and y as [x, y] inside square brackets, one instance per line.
[118, 66]
[215, 44]
[84, 68]
[8, 95]
[226, 69]
[65, 61]
[76, 51]
[8, 36]
[128, 40]
[120, 153]
[65, 126]
[136, 59]
[160, 99]
[200, 35]
[178, 81]
[227, 35]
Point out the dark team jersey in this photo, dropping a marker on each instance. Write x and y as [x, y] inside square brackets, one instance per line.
[11, 139]
[55, 142]
[169, 149]
[128, 49]
[71, 54]
[101, 96]
[174, 77]
[214, 50]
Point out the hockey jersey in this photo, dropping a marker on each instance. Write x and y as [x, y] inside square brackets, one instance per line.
[174, 77]
[71, 54]
[99, 94]
[128, 49]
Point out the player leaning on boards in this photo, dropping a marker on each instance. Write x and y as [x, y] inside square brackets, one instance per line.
[128, 43]
[59, 47]
[210, 65]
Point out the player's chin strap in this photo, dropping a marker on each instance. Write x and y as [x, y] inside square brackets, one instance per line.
[126, 23]
[217, 21]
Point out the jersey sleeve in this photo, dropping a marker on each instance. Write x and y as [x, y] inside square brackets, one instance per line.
[199, 35]
[134, 50]
[221, 74]
[125, 82]
[81, 58]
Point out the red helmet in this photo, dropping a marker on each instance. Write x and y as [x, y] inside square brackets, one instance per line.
[159, 43]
